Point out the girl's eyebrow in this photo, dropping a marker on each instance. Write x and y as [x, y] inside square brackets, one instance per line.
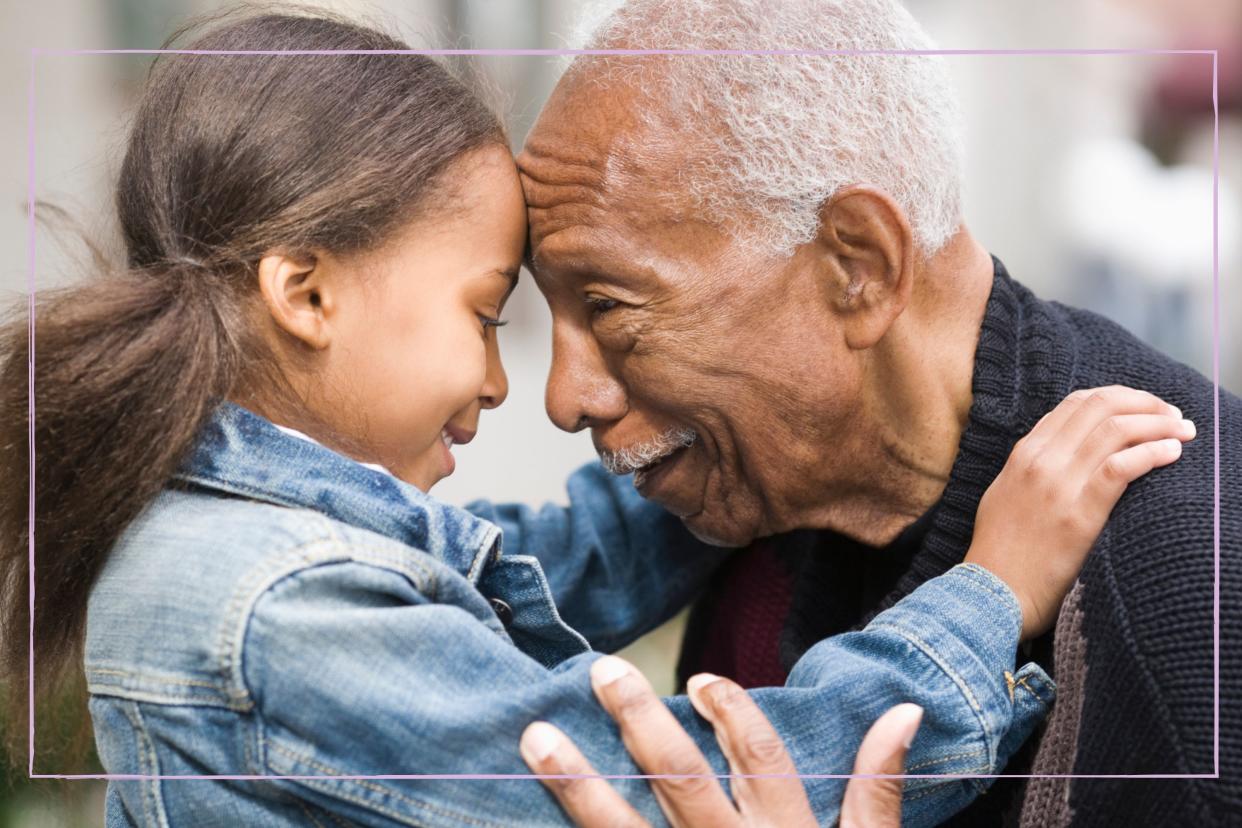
[510, 273]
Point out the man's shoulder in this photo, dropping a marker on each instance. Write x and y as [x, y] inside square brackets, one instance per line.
[1172, 510]
[1105, 352]
[1108, 354]
[1151, 584]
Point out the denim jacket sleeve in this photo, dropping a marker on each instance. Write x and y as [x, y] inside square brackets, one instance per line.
[618, 565]
[360, 670]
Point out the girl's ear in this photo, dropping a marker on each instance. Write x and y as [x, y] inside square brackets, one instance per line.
[297, 296]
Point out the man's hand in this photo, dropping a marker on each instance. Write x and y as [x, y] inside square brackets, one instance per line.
[764, 784]
[875, 802]
[1043, 512]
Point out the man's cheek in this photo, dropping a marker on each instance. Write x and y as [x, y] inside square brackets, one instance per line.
[695, 367]
[672, 391]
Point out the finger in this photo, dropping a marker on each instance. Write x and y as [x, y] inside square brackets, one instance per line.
[1110, 478]
[752, 746]
[1102, 403]
[659, 745]
[1055, 420]
[876, 803]
[1125, 430]
[591, 803]
[1056, 417]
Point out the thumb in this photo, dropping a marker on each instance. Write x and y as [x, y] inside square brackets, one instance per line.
[876, 803]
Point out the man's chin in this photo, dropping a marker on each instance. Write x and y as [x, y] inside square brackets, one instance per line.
[679, 485]
[714, 531]
[707, 536]
[723, 523]
[673, 483]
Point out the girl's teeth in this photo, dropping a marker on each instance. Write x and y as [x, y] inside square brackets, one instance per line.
[448, 441]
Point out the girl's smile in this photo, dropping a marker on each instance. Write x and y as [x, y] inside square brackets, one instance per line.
[450, 436]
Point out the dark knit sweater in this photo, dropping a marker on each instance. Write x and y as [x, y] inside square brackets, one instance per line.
[1144, 603]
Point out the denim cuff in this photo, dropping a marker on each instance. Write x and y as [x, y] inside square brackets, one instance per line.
[968, 622]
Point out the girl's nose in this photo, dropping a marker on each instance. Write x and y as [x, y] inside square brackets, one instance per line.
[496, 384]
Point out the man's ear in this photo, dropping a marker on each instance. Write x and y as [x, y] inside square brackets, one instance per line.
[866, 252]
[297, 296]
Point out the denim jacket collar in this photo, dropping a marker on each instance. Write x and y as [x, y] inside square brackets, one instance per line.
[241, 453]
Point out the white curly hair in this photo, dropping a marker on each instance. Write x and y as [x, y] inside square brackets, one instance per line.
[779, 135]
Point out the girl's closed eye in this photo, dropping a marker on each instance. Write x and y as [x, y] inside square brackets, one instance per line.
[492, 322]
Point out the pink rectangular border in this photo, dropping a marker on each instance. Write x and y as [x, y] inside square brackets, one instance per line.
[562, 52]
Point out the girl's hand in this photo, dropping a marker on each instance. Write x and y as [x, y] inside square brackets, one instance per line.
[659, 745]
[1042, 514]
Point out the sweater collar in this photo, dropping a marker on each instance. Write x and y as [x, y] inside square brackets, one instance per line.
[240, 453]
[1024, 360]
[1024, 366]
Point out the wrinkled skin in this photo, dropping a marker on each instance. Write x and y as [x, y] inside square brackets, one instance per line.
[827, 389]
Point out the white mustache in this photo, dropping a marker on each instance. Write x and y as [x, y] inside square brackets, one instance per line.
[633, 458]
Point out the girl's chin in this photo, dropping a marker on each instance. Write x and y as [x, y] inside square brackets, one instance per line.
[420, 480]
[431, 467]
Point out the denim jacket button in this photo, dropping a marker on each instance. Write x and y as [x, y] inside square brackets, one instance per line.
[503, 611]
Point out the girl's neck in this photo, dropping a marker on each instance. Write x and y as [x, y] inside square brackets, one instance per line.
[292, 432]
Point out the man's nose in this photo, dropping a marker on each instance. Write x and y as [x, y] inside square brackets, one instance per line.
[582, 392]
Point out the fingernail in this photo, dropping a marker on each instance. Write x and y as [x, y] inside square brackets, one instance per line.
[697, 682]
[694, 690]
[1177, 412]
[1188, 427]
[1173, 445]
[539, 741]
[608, 669]
[912, 717]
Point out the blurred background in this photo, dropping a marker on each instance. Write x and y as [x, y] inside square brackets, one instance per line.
[1090, 177]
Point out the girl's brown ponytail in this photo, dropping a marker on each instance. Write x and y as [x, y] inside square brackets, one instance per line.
[229, 157]
[126, 370]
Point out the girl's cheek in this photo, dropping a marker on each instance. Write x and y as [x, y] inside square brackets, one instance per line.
[459, 373]
[473, 375]
[471, 356]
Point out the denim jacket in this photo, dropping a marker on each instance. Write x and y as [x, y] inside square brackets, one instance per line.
[280, 610]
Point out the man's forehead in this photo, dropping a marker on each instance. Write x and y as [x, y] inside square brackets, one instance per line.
[614, 199]
[601, 132]
[574, 144]
[586, 108]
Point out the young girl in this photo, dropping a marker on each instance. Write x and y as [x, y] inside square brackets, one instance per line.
[234, 435]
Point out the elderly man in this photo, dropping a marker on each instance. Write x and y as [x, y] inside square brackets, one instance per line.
[767, 306]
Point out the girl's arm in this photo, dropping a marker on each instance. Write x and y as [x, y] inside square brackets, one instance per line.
[377, 679]
[353, 671]
[618, 565]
